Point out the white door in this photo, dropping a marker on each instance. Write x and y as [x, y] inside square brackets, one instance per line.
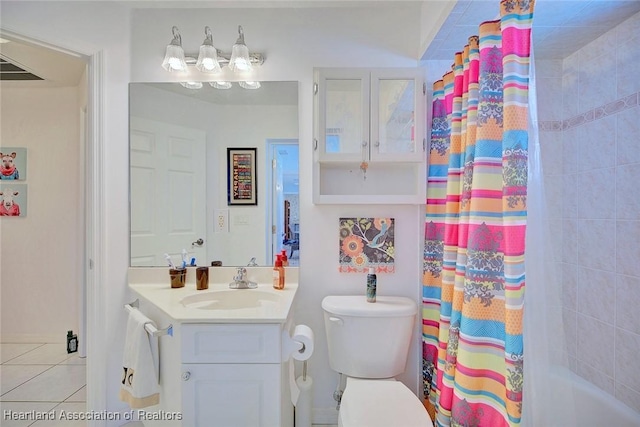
[278, 204]
[283, 182]
[234, 395]
[168, 168]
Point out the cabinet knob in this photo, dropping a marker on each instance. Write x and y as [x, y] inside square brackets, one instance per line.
[377, 144]
[365, 143]
[186, 375]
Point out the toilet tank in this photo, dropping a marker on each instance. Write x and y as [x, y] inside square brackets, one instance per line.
[369, 340]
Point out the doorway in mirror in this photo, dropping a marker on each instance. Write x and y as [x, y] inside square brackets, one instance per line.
[284, 219]
[291, 232]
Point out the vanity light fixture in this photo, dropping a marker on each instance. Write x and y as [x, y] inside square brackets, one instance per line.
[192, 85]
[221, 85]
[249, 84]
[240, 60]
[174, 57]
[208, 55]
[209, 59]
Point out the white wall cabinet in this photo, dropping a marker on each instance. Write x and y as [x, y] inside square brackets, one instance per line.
[369, 136]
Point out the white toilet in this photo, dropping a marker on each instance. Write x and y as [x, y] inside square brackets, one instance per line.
[369, 343]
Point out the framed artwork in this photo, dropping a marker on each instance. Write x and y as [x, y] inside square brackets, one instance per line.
[13, 198]
[13, 164]
[242, 184]
[367, 242]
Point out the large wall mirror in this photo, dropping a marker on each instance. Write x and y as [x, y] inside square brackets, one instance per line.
[189, 150]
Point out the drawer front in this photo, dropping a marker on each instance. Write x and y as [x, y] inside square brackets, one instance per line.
[230, 343]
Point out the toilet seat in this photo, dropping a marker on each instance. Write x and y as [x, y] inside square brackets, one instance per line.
[380, 403]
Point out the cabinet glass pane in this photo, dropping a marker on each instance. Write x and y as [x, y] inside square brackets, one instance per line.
[343, 133]
[396, 116]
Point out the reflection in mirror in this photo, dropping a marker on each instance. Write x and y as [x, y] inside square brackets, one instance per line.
[396, 116]
[179, 173]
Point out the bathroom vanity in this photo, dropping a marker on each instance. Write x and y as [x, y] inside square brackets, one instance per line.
[225, 364]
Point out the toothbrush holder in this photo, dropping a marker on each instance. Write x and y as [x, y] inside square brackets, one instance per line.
[178, 277]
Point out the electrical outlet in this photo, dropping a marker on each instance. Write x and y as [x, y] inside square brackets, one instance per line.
[221, 221]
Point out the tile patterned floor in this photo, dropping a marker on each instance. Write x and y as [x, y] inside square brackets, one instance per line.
[44, 378]
[40, 378]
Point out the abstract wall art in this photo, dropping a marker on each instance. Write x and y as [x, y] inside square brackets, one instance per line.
[367, 242]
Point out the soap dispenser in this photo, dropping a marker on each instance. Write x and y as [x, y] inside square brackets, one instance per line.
[283, 257]
[278, 274]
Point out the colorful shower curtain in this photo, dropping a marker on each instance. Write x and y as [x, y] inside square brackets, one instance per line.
[473, 271]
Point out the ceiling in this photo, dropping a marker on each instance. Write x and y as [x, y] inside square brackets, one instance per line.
[560, 28]
[52, 67]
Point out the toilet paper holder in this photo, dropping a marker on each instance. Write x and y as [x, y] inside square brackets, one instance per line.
[298, 345]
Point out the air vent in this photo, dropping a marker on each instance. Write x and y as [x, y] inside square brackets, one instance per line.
[9, 71]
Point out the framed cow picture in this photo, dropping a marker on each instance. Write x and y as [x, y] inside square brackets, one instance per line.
[14, 199]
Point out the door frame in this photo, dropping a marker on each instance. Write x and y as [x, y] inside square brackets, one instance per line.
[96, 252]
[272, 207]
[92, 307]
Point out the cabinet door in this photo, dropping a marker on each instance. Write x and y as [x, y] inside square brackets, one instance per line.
[397, 115]
[343, 115]
[231, 395]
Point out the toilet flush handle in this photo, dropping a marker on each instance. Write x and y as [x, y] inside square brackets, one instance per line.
[336, 320]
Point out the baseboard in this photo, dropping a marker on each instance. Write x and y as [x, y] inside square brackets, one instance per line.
[324, 416]
[33, 338]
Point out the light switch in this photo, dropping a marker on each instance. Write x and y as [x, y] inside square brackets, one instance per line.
[221, 221]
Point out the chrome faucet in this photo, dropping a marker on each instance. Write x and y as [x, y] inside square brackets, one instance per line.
[240, 280]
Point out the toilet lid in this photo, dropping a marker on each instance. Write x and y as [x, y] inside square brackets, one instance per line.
[376, 403]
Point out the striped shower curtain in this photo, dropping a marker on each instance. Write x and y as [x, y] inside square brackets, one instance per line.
[473, 270]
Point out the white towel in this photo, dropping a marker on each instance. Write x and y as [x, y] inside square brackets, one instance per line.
[139, 381]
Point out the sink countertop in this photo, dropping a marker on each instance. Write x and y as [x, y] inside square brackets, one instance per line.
[152, 284]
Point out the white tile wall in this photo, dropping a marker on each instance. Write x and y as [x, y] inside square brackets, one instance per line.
[599, 148]
[627, 200]
[596, 143]
[627, 147]
[628, 253]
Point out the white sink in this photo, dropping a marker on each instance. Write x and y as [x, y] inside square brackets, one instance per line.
[234, 299]
[217, 304]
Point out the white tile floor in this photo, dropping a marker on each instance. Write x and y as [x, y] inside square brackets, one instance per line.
[40, 378]
[44, 378]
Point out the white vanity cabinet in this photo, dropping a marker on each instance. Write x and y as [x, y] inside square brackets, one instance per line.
[233, 375]
[369, 136]
[224, 365]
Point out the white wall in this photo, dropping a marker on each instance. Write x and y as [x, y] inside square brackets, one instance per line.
[92, 28]
[247, 126]
[39, 252]
[226, 126]
[295, 41]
